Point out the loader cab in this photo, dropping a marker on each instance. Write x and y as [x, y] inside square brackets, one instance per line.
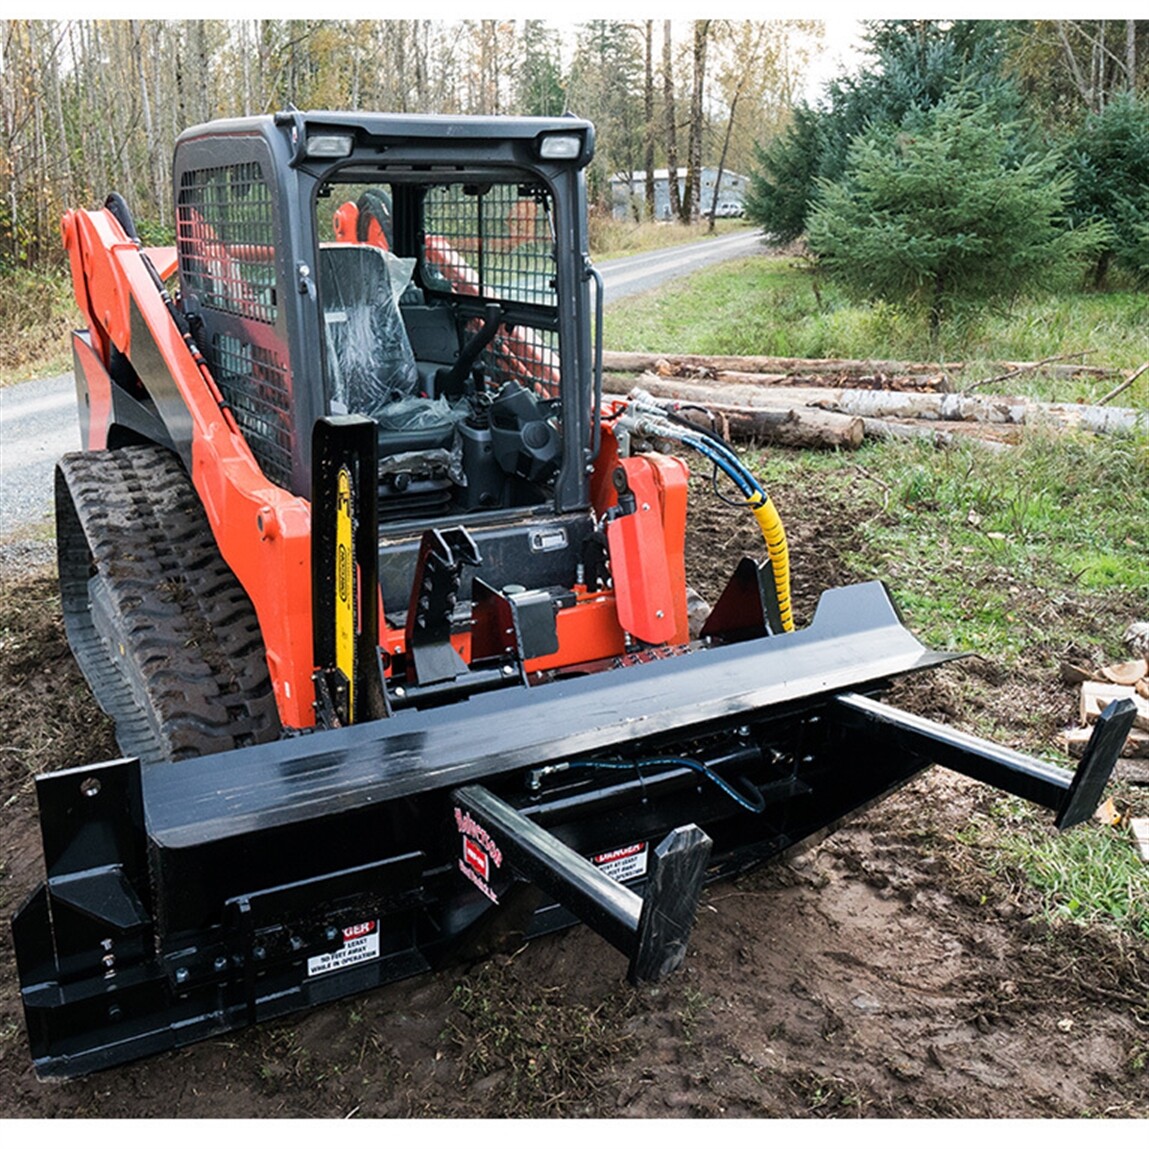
[440, 311]
[429, 272]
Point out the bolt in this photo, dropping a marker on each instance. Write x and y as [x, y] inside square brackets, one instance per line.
[219, 965]
[296, 943]
[114, 1013]
[181, 975]
[259, 953]
[331, 933]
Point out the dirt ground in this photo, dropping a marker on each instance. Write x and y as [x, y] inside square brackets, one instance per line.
[886, 972]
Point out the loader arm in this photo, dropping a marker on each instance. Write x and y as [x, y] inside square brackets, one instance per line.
[263, 531]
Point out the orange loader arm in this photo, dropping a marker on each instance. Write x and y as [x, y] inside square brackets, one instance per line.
[263, 531]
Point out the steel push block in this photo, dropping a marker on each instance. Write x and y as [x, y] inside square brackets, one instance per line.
[652, 930]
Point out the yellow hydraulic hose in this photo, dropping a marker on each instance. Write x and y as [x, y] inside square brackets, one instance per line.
[775, 535]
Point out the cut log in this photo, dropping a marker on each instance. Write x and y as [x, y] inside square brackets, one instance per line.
[1126, 673]
[626, 361]
[1074, 742]
[934, 433]
[788, 426]
[894, 404]
[794, 426]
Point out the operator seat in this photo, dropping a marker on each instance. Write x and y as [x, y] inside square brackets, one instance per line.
[371, 371]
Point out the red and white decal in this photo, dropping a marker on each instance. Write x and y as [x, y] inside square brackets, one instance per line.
[624, 863]
[476, 857]
[480, 853]
[360, 944]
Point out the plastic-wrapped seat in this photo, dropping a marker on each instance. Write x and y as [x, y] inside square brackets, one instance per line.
[371, 367]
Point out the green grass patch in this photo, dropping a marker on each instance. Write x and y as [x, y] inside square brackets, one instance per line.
[990, 550]
[1091, 875]
[37, 310]
[777, 305]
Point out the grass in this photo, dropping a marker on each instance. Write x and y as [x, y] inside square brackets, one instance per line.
[612, 238]
[776, 305]
[37, 311]
[1001, 551]
[1091, 876]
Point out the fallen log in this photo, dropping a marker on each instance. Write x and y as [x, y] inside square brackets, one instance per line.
[638, 361]
[876, 381]
[793, 426]
[897, 404]
[931, 432]
[788, 426]
[974, 409]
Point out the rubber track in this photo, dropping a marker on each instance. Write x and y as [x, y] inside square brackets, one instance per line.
[164, 633]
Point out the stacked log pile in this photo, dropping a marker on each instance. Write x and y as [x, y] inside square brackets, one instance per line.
[837, 402]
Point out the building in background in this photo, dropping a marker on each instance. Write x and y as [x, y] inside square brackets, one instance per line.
[629, 193]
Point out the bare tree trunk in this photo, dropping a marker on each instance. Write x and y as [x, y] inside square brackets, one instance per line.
[1131, 54]
[722, 158]
[671, 140]
[648, 112]
[692, 197]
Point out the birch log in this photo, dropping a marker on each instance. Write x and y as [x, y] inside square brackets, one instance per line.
[636, 361]
[899, 404]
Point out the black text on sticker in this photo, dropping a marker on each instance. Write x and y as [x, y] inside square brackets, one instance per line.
[624, 863]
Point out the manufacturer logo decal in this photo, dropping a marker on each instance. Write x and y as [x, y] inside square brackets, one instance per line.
[480, 853]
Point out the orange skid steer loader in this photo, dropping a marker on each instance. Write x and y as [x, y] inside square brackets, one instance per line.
[389, 606]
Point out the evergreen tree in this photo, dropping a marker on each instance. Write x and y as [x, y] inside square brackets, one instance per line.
[938, 214]
[540, 90]
[916, 63]
[1109, 158]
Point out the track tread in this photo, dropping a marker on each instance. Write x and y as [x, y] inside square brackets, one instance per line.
[180, 667]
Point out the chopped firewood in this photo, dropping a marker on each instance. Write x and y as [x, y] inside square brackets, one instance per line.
[1095, 696]
[1136, 637]
[1140, 830]
[1126, 673]
[1107, 813]
[1075, 740]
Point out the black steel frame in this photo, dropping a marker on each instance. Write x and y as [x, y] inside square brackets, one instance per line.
[180, 903]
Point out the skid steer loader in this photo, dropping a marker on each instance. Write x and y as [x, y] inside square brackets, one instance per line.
[389, 606]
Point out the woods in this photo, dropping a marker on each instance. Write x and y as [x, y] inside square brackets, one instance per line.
[91, 106]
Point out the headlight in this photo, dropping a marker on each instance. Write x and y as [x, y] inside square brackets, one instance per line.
[560, 147]
[328, 147]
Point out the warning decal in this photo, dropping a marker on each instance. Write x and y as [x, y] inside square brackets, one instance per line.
[360, 943]
[624, 863]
